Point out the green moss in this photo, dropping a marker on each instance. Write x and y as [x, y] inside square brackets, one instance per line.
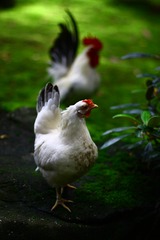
[118, 182]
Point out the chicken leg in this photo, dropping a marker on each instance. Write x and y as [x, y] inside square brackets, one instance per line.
[71, 186]
[60, 200]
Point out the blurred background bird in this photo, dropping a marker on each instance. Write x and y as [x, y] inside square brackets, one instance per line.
[64, 150]
[74, 73]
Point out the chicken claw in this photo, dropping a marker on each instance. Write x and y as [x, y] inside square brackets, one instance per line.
[61, 201]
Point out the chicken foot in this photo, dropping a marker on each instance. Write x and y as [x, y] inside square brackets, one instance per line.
[59, 200]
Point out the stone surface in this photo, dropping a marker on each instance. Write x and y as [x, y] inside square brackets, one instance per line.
[26, 199]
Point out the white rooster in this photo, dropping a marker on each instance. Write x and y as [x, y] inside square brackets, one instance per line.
[71, 73]
[64, 150]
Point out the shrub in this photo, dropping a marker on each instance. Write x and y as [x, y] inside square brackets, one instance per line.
[144, 133]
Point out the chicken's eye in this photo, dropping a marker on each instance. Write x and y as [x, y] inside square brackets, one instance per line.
[85, 107]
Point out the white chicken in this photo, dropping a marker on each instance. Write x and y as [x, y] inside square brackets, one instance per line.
[63, 150]
[71, 73]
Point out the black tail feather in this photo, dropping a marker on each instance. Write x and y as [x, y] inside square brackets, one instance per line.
[45, 94]
[66, 44]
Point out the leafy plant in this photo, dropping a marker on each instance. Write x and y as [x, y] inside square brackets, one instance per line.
[145, 129]
[152, 93]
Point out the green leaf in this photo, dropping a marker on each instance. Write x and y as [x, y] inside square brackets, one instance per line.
[145, 116]
[156, 134]
[139, 55]
[133, 111]
[154, 121]
[134, 145]
[148, 148]
[133, 119]
[126, 105]
[113, 141]
[140, 132]
[120, 129]
[146, 75]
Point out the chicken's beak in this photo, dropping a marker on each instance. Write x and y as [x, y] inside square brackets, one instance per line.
[94, 106]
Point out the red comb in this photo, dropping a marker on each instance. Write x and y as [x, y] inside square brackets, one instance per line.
[95, 42]
[88, 101]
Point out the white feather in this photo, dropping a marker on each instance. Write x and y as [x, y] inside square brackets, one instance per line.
[81, 77]
[64, 150]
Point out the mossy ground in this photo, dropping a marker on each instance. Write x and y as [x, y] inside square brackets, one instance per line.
[120, 181]
[27, 32]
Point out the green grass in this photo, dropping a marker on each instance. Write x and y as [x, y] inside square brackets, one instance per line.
[27, 32]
